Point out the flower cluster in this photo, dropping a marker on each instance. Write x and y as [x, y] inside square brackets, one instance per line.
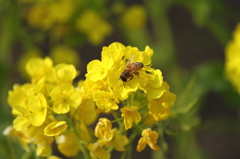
[61, 18]
[233, 59]
[122, 85]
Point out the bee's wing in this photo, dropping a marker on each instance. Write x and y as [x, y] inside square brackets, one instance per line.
[130, 59]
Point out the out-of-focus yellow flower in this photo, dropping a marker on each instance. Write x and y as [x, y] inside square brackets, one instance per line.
[134, 17]
[64, 54]
[118, 141]
[33, 52]
[37, 105]
[46, 151]
[148, 137]
[67, 144]
[86, 112]
[65, 72]
[160, 107]
[18, 97]
[232, 53]
[64, 97]
[162, 115]
[94, 26]
[46, 14]
[130, 115]
[103, 130]
[22, 120]
[37, 67]
[53, 157]
[85, 132]
[97, 151]
[43, 145]
[38, 16]
[55, 128]
[61, 10]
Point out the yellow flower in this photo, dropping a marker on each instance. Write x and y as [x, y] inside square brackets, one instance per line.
[105, 100]
[22, 120]
[125, 55]
[46, 15]
[154, 87]
[86, 112]
[37, 67]
[53, 157]
[98, 70]
[33, 52]
[55, 128]
[85, 132]
[18, 97]
[130, 114]
[58, 54]
[43, 145]
[232, 53]
[160, 107]
[88, 87]
[148, 137]
[65, 72]
[38, 16]
[61, 10]
[67, 145]
[136, 13]
[46, 151]
[97, 152]
[87, 23]
[37, 105]
[162, 115]
[103, 129]
[64, 97]
[115, 58]
[118, 141]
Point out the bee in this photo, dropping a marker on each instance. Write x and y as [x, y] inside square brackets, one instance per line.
[131, 69]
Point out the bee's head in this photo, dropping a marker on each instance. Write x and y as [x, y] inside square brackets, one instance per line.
[123, 78]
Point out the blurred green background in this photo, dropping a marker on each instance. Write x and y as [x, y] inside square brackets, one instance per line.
[188, 38]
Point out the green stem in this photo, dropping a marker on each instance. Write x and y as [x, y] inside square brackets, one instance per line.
[33, 148]
[139, 127]
[128, 149]
[116, 120]
[132, 99]
[80, 143]
[161, 136]
[10, 145]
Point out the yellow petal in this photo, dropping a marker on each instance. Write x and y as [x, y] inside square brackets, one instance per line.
[55, 128]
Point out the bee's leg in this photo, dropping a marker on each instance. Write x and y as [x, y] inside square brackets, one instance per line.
[131, 77]
[137, 74]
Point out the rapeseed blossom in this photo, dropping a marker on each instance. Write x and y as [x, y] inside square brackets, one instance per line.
[51, 107]
[130, 115]
[136, 13]
[149, 137]
[46, 14]
[103, 129]
[232, 53]
[94, 26]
